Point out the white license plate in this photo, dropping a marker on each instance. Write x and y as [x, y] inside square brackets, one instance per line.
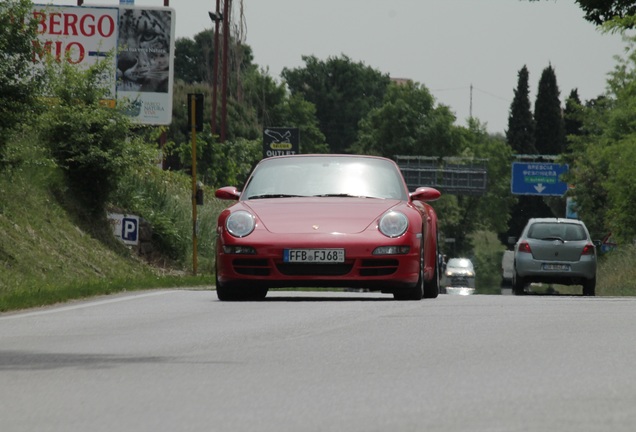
[314, 255]
[557, 267]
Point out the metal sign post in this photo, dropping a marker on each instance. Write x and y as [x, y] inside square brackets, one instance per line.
[195, 114]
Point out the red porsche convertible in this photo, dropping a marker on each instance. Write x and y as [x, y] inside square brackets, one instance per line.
[327, 221]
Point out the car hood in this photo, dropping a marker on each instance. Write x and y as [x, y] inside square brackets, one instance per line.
[318, 215]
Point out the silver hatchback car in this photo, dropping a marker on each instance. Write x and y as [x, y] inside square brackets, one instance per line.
[555, 250]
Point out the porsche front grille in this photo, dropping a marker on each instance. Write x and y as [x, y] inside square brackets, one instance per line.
[368, 268]
[313, 269]
[251, 267]
[379, 267]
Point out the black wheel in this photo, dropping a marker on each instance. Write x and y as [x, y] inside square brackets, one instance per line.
[226, 293]
[417, 291]
[223, 292]
[518, 284]
[258, 293]
[431, 287]
[589, 287]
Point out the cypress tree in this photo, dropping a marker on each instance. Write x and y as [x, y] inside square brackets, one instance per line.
[520, 133]
[548, 116]
[572, 117]
[521, 137]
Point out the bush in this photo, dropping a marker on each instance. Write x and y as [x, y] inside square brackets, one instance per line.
[91, 142]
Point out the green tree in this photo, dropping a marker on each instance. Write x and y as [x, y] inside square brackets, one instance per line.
[91, 142]
[194, 59]
[302, 114]
[573, 124]
[549, 127]
[602, 158]
[223, 163]
[275, 107]
[464, 215]
[408, 123]
[19, 81]
[216, 163]
[190, 63]
[493, 208]
[521, 138]
[602, 11]
[589, 166]
[520, 132]
[343, 93]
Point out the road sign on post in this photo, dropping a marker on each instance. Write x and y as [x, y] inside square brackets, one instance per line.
[125, 227]
[195, 118]
[538, 178]
[279, 141]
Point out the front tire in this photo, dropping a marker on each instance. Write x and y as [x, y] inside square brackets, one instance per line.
[417, 291]
[431, 287]
[225, 293]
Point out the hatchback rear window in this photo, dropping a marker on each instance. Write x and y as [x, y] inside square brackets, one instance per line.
[563, 231]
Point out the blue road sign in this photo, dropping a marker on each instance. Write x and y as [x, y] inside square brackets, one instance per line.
[130, 229]
[538, 178]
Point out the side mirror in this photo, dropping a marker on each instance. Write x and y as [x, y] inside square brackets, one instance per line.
[425, 194]
[228, 193]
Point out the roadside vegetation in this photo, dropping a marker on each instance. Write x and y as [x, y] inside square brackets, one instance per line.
[66, 160]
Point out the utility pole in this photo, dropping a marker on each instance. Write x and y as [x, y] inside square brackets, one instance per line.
[470, 109]
[216, 17]
[226, 49]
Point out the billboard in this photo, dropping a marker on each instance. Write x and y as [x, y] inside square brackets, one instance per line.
[81, 36]
[141, 40]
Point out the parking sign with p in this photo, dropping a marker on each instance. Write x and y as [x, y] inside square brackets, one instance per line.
[125, 227]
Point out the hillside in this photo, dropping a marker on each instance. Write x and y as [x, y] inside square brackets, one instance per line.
[49, 254]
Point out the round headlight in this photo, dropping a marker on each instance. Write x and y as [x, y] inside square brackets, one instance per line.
[240, 224]
[393, 224]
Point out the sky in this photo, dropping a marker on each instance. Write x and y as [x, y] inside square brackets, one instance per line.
[448, 46]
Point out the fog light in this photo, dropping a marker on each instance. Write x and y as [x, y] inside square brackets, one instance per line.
[391, 250]
[239, 250]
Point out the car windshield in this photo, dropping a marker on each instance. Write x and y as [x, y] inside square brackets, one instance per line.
[557, 231]
[318, 176]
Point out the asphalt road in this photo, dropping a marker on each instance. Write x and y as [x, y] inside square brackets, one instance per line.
[182, 361]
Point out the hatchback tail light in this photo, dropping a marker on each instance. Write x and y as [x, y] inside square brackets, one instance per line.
[524, 247]
[588, 249]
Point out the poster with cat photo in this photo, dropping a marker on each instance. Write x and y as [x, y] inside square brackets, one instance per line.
[145, 63]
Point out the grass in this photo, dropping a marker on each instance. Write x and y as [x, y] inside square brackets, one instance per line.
[49, 255]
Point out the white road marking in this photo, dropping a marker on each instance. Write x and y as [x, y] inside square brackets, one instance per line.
[84, 304]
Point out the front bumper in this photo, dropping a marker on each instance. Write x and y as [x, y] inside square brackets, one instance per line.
[533, 270]
[361, 268]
